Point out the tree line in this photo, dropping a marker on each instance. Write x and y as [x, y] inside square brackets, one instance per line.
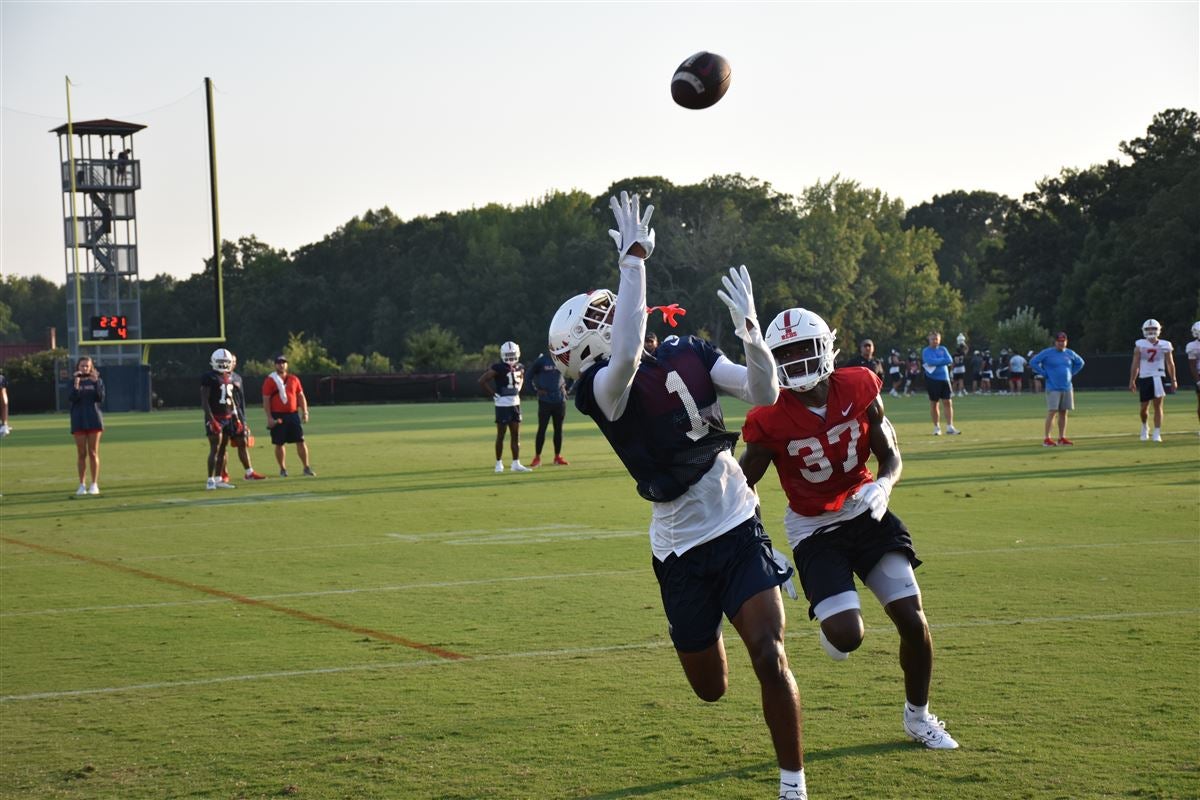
[1093, 251]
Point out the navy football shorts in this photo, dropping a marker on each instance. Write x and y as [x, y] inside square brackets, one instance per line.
[506, 415]
[829, 561]
[937, 390]
[712, 579]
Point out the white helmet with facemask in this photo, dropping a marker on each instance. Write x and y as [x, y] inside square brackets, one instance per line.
[221, 360]
[510, 352]
[581, 331]
[809, 366]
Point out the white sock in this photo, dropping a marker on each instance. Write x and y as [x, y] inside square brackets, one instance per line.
[790, 781]
[1158, 431]
[916, 712]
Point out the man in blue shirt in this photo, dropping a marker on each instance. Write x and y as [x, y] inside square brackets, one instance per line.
[937, 359]
[552, 405]
[1058, 365]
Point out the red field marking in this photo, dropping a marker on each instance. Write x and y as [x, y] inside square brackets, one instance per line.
[237, 598]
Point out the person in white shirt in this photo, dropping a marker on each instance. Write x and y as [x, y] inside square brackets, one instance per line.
[1193, 356]
[1152, 375]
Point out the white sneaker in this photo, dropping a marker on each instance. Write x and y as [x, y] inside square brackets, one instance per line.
[1145, 437]
[82, 490]
[930, 732]
[953, 431]
[499, 466]
[212, 484]
[827, 646]
[517, 466]
[223, 484]
[1156, 436]
[94, 489]
[937, 431]
[794, 794]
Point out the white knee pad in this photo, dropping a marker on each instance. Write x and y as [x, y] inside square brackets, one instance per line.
[843, 601]
[892, 578]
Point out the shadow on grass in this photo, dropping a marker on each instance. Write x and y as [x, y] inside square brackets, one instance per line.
[749, 771]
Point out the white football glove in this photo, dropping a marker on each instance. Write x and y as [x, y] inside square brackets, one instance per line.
[632, 225]
[782, 564]
[875, 495]
[739, 297]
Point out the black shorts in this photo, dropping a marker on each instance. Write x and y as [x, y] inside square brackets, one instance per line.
[287, 429]
[551, 411]
[714, 578]
[937, 390]
[506, 415]
[228, 428]
[1146, 388]
[829, 561]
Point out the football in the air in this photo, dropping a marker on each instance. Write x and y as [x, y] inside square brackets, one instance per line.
[700, 81]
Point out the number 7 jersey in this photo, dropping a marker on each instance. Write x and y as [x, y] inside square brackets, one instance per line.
[820, 460]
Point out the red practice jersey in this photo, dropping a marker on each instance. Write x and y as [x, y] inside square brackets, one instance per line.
[820, 461]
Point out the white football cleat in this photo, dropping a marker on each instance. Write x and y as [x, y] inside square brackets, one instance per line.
[953, 431]
[1156, 436]
[499, 466]
[224, 484]
[82, 490]
[937, 431]
[1145, 437]
[930, 732]
[212, 484]
[94, 489]
[517, 466]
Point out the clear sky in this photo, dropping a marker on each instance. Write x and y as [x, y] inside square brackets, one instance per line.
[326, 110]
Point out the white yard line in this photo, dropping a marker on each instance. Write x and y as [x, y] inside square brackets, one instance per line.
[534, 654]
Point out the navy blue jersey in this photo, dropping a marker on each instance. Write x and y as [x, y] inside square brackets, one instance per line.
[509, 378]
[239, 394]
[547, 380]
[672, 428]
[219, 393]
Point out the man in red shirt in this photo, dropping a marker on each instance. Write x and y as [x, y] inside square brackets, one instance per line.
[286, 407]
[820, 434]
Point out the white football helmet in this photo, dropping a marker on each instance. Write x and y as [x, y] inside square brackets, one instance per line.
[799, 325]
[1196, 329]
[1151, 329]
[510, 352]
[221, 360]
[581, 331]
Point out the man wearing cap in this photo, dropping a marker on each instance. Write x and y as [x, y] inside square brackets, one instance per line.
[1058, 365]
[286, 408]
[866, 358]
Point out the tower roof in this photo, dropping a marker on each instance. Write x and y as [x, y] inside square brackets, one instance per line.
[101, 127]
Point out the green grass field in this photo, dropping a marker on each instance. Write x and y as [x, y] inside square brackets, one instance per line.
[410, 625]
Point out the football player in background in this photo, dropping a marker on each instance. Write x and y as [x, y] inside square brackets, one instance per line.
[221, 421]
[503, 381]
[243, 439]
[819, 435]
[1152, 375]
[1193, 356]
[5, 430]
[660, 413]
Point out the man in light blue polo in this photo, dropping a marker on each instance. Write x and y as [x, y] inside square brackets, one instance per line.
[1058, 365]
[936, 360]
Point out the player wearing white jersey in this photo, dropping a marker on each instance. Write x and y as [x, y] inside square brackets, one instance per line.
[1152, 375]
[1193, 357]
